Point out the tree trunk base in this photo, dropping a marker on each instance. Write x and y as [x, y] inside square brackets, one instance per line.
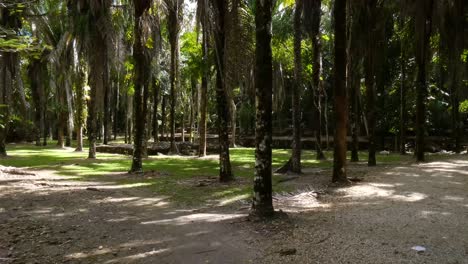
[286, 168]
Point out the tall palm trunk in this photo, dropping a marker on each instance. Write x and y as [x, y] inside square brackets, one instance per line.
[175, 11]
[262, 204]
[142, 81]
[353, 78]
[156, 92]
[36, 73]
[369, 68]
[296, 97]
[163, 118]
[454, 28]
[80, 106]
[341, 100]
[203, 89]
[403, 113]
[6, 85]
[225, 172]
[312, 15]
[423, 23]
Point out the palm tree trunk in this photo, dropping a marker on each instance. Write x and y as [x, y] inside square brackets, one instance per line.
[296, 97]
[262, 204]
[370, 80]
[203, 93]
[341, 100]
[225, 173]
[142, 81]
[156, 92]
[163, 118]
[403, 113]
[423, 23]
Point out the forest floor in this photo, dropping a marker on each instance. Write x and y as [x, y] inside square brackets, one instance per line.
[48, 215]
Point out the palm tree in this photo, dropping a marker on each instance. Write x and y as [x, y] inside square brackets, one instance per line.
[174, 19]
[203, 18]
[294, 163]
[423, 28]
[220, 9]
[341, 100]
[369, 68]
[452, 32]
[312, 17]
[262, 204]
[94, 34]
[142, 80]
[10, 20]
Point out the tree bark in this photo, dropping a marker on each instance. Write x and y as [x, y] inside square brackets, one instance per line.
[295, 160]
[403, 113]
[369, 68]
[423, 22]
[156, 92]
[174, 11]
[312, 16]
[203, 91]
[142, 81]
[341, 100]
[262, 205]
[225, 172]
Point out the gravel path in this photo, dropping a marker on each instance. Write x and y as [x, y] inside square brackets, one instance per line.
[380, 219]
[49, 219]
[45, 218]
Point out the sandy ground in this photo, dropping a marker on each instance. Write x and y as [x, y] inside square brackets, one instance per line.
[380, 219]
[46, 218]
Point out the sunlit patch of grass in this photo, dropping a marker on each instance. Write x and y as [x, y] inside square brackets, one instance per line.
[178, 176]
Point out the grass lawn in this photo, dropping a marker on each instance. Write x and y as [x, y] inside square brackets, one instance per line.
[176, 177]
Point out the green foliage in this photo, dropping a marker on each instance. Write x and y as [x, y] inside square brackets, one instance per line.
[464, 107]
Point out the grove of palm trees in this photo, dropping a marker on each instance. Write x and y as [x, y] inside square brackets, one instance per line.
[233, 131]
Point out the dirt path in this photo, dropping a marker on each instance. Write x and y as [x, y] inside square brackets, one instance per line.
[50, 219]
[381, 218]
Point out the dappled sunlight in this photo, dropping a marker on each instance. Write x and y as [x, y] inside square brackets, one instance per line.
[429, 214]
[453, 198]
[196, 217]
[371, 190]
[234, 199]
[138, 256]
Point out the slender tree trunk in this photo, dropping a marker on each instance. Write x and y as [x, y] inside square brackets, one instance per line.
[106, 117]
[312, 16]
[127, 97]
[355, 89]
[6, 82]
[225, 172]
[156, 92]
[455, 40]
[353, 79]
[182, 124]
[403, 113]
[163, 118]
[233, 115]
[203, 92]
[423, 23]
[369, 66]
[341, 100]
[296, 97]
[174, 31]
[142, 81]
[262, 204]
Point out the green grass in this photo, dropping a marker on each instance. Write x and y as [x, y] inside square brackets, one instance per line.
[177, 177]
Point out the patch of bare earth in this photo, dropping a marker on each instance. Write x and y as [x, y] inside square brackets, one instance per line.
[379, 218]
[387, 210]
[46, 218]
